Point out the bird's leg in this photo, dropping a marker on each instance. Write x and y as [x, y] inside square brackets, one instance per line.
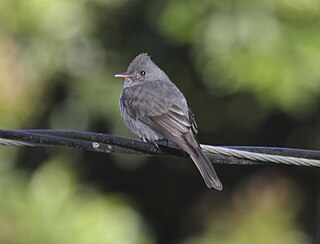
[157, 146]
[143, 139]
[153, 142]
[167, 141]
[164, 140]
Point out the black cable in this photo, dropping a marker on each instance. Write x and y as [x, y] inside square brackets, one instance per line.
[105, 143]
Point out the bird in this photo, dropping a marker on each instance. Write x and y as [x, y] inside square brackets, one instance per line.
[155, 109]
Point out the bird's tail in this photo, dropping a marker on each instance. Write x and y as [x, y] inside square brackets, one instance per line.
[203, 164]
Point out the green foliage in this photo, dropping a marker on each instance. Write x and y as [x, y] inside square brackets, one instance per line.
[258, 213]
[236, 61]
[51, 207]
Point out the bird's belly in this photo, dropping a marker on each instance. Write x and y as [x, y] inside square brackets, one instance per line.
[140, 129]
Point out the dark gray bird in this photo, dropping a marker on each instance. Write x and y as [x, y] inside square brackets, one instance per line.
[154, 108]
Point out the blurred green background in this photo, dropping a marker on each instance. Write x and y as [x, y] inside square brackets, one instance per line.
[251, 73]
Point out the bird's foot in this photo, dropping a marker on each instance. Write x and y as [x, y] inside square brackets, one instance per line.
[164, 141]
[156, 145]
[153, 142]
[144, 139]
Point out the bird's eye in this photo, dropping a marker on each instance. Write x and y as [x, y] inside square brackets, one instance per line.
[143, 73]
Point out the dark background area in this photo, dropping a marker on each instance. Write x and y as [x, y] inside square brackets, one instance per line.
[250, 72]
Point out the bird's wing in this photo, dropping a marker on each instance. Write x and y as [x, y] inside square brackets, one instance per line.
[161, 106]
[178, 125]
[193, 123]
[164, 109]
[171, 123]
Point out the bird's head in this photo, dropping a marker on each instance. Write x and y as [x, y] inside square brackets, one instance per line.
[142, 69]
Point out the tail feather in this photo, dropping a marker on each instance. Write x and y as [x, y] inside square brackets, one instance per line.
[206, 169]
[203, 163]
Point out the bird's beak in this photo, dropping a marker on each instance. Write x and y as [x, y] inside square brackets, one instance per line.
[122, 75]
